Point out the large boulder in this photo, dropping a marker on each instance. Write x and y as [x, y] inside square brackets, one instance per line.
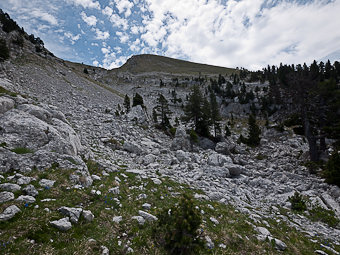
[6, 104]
[216, 159]
[225, 148]
[138, 115]
[181, 140]
[38, 136]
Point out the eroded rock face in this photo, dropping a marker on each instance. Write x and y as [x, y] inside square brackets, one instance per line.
[36, 136]
[138, 115]
[181, 140]
[9, 213]
[6, 104]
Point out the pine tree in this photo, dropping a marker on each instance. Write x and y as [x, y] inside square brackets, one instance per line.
[253, 138]
[137, 100]
[227, 131]
[163, 111]
[215, 114]
[127, 103]
[193, 109]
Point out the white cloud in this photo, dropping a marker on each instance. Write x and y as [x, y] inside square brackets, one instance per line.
[123, 37]
[102, 35]
[43, 15]
[95, 63]
[124, 6]
[89, 20]
[85, 3]
[73, 38]
[242, 33]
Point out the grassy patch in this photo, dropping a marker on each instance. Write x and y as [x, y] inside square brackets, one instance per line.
[234, 230]
[7, 92]
[22, 150]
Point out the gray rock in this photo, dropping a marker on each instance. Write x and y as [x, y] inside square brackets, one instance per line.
[263, 231]
[147, 216]
[149, 159]
[181, 140]
[117, 219]
[6, 196]
[114, 190]
[63, 224]
[30, 190]
[216, 159]
[138, 115]
[105, 250]
[46, 183]
[320, 252]
[156, 181]
[139, 219]
[10, 187]
[279, 245]
[146, 206]
[214, 220]
[235, 170]
[26, 199]
[216, 171]
[209, 243]
[72, 213]
[24, 180]
[331, 203]
[206, 143]
[224, 148]
[88, 215]
[6, 104]
[9, 213]
[132, 148]
[182, 156]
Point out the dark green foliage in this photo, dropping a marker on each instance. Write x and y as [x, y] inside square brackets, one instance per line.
[161, 83]
[332, 169]
[8, 25]
[178, 228]
[253, 138]
[227, 131]
[162, 110]
[193, 136]
[154, 115]
[21, 150]
[137, 100]
[36, 41]
[127, 103]
[215, 114]
[317, 213]
[298, 202]
[86, 71]
[172, 131]
[4, 51]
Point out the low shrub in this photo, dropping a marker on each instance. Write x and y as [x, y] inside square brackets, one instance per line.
[298, 202]
[332, 169]
[4, 51]
[177, 228]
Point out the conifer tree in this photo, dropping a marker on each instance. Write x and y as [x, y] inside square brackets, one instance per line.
[127, 103]
[137, 100]
[253, 138]
[163, 111]
[215, 114]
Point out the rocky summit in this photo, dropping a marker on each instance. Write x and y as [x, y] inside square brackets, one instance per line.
[82, 174]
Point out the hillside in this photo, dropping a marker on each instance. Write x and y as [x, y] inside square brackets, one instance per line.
[80, 174]
[152, 63]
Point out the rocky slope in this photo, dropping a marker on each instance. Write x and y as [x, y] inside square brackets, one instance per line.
[53, 116]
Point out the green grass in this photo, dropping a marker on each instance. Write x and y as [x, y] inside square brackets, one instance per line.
[22, 150]
[7, 92]
[235, 229]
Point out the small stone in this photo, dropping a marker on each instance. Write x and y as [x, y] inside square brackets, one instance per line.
[26, 199]
[47, 210]
[30, 190]
[72, 213]
[114, 190]
[117, 219]
[214, 220]
[156, 181]
[105, 250]
[24, 180]
[209, 243]
[146, 206]
[140, 219]
[222, 246]
[63, 224]
[9, 213]
[147, 216]
[95, 177]
[10, 187]
[88, 215]
[6, 196]
[46, 183]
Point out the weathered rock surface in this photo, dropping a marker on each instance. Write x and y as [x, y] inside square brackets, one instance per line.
[9, 213]
[63, 224]
[6, 196]
[181, 140]
[10, 187]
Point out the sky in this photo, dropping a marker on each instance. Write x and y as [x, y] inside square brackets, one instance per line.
[229, 33]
